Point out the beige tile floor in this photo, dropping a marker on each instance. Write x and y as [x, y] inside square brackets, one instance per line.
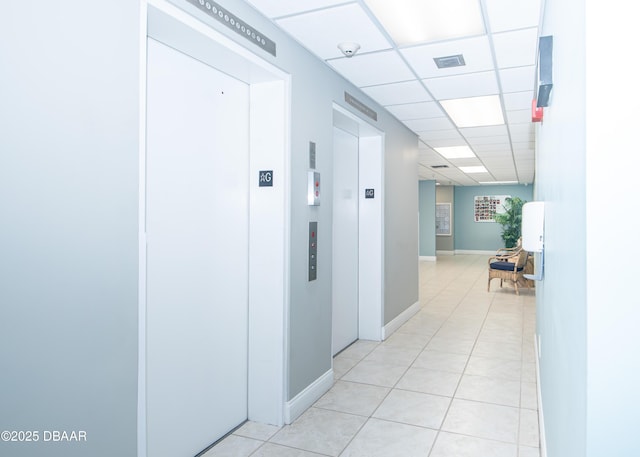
[457, 380]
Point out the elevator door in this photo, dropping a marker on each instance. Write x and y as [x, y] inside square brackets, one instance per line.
[197, 253]
[345, 240]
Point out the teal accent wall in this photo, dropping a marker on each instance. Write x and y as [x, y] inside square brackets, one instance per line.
[481, 236]
[427, 210]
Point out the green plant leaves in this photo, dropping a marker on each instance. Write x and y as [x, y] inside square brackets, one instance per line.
[511, 221]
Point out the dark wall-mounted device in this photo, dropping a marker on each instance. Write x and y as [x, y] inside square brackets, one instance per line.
[545, 70]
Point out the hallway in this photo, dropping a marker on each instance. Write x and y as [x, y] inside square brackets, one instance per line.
[457, 380]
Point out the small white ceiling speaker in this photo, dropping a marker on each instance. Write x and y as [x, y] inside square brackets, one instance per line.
[348, 48]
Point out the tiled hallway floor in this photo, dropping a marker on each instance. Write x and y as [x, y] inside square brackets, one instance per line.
[457, 380]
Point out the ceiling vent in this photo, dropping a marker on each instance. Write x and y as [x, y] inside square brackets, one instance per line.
[439, 166]
[449, 61]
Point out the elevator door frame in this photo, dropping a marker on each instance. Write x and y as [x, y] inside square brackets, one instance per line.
[370, 222]
[269, 117]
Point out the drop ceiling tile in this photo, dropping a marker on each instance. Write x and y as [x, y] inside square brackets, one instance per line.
[526, 128]
[505, 175]
[416, 111]
[502, 157]
[480, 177]
[485, 149]
[474, 132]
[501, 139]
[436, 123]
[521, 116]
[504, 165]
[525, 163]
[523, 145]
[527, 154]
[440, 135]
[516, 49]
[443, 143]
[467, 162]
[398, 93]
[509, 169]
[512, 14]
[343, 23]
[439, 163]
[517, 79]
[522, 137]
[518, 100]
[494, 154]
[373, 69]
[462, 86]
[285, 7]
[475, 51]
[523, 150]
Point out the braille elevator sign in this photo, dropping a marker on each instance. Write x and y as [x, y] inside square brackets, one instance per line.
[369, 193]
[266, 178]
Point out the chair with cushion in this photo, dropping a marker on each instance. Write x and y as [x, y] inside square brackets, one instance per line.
[508, 265]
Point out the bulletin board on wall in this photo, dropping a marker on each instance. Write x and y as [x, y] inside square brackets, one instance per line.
[485, 207]
[443, 219]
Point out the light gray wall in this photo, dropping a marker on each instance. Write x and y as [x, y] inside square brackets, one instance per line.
[444, 194]
[69, 191]
[427, 208]
[400, 221]
[561, 183]
[69, 230]
[315, 87]
[613, 311]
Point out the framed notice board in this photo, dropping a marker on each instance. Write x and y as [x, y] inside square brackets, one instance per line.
[485, 207]
[443, 219]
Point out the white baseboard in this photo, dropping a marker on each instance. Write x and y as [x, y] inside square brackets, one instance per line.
[445, 253]
[301, 402]
[543, 438]
[429, 258]
[471, 251]
[400, 319]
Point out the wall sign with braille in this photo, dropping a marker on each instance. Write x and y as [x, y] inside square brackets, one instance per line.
[312, 155]
[369, 193]
[266, 178]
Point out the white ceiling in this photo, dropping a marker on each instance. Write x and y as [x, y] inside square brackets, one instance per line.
[404, 78]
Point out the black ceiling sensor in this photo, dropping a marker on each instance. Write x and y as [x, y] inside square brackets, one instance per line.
[439, 166]
[545, 70]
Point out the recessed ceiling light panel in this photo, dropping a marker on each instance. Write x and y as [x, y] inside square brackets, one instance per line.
[474, 169]
[474, 111]
[419, 21]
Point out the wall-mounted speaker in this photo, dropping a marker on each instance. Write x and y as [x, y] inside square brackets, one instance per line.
[545, 70]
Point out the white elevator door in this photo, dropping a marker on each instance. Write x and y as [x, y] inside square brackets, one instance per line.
[345, 240]
[197, 194]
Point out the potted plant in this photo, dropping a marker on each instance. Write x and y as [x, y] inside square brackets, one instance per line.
[511, 221]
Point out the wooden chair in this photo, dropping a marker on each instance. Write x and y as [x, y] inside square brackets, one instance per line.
[508, 264]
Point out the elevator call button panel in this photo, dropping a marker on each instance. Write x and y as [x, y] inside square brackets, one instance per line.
[313, 189]
[313, 250]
